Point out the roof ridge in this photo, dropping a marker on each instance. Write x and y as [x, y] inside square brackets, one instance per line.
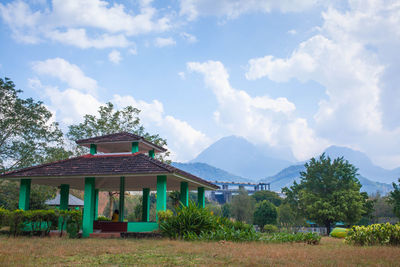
[108, 135]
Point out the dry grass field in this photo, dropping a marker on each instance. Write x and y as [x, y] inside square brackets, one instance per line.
[24, 251]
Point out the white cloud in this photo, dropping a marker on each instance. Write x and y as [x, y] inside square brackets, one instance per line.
[66, 72]
[182, 75]
[67, 22]
[355, 57]
[190, 38]
[162, 42]
[234, 8]
[260, 119]
[115, 56]
[292, 32]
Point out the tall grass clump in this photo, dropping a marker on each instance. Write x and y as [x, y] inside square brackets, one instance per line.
[375, 234]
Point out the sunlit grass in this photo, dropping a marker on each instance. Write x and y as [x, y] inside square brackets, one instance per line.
[122, 252]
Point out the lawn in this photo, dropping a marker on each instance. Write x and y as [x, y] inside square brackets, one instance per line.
[121, 252]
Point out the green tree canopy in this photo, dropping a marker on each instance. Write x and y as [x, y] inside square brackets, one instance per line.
[111, 121]
[242, 207]
[329, 192]
[265, 213]
[394, 199]
[27, 134]
[271, 196]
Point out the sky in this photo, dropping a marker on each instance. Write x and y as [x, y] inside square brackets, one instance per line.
[298, 75]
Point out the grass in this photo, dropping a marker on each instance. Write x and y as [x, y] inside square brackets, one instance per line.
[23, 251]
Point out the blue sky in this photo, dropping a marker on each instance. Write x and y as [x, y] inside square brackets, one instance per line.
[290, 74]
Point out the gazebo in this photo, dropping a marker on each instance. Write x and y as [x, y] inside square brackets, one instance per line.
[126, 163]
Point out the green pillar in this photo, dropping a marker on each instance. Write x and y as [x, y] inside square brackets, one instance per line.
[151, 153]
[93, 149]
[24, 194]
[146, 205]
[64, 196]
[135, 147]
[96, 204]
[184, 195]
[161, 192]
[88, 212]
[121, 198]
[201, 197]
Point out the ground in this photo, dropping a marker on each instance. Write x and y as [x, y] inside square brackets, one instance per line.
[24, 251]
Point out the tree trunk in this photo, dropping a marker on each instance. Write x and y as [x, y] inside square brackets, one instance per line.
[328, 227]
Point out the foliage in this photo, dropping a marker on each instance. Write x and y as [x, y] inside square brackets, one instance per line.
[103, 218]
[242, 207]
[265, 213]
[375, 234]
[215, 209]
[270, 228]
[339, 232]
[27, 135]
[110, 121]
[309, 238]
[9, 195]
[164, 215]
[40, 221]
[328, 192]
[289, 217]
[226, 210]
[271, 196]
[394, 198]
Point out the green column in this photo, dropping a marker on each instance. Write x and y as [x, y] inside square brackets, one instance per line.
[93, 149]
[64, 196]
[121, 198]
[200, 197]
[184, 195]
[161, 192]
[151, 153]
[96, 204]
[24, 194]
[88, 212]
[146, 205]
[135, 147]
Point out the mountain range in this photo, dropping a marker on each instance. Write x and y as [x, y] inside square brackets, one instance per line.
[235, 159]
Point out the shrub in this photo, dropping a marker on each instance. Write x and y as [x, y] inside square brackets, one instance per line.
[4, 217]
[339, 232]
[164, 215]
[270, 228]
[375, 234]
[103, 218]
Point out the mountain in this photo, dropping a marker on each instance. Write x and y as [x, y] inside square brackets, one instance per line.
[287, 176]
[208, 172]
[237, 155]
[365, 166]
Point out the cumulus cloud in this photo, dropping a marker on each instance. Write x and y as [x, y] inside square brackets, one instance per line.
[261, 119]
[66, 72]
[232, 9]
[66, 22]
[162, 42]
[70, 104]
[354, 57]
[115, 56]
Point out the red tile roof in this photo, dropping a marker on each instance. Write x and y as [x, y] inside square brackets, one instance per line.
[97, 165]
[117, 137]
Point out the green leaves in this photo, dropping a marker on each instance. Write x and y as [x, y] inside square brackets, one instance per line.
[394, 199]
[375, 234]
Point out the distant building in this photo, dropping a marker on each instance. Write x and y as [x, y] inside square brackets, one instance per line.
[229, 189]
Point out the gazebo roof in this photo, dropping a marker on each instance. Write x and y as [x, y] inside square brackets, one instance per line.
[137, 168]
[72, 201]
[119, 142]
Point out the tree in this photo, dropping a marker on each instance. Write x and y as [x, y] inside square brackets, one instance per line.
[329, 192]
[242, 207]
[394, 198]
[27, 134]
[265, 213]
[271, 196]
[111, 121]
[289, 217]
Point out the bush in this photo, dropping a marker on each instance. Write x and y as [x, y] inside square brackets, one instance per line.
[309, 238]
[270, 228]
[375, 234]
[339, 232]
[103, 218]
[164, 215]
[265, 213]
[4, 217]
